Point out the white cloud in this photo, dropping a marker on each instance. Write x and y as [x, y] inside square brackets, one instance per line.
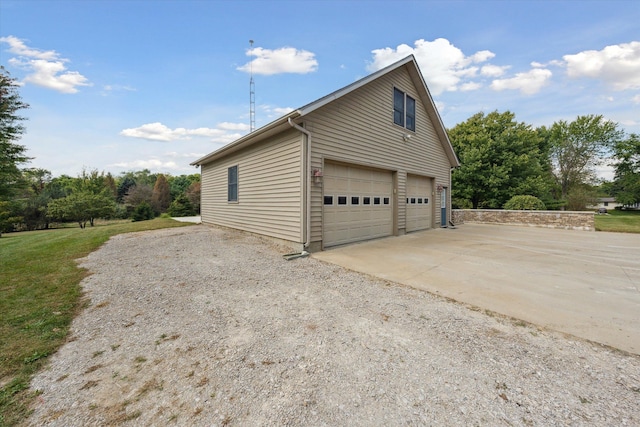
[527, 83]
[282, 110]
[50, 74]
[107, 89]
[465, 87]
[233, 126]
[17, 46]
[275, 112]
[279, 61]
[617, 65]
[46, 67]
[636, 99]
[490, 70]
[443, 65]
[227, 138]
[159, 132]
[153, 164]
[175, 154]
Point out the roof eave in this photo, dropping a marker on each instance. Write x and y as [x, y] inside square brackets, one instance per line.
[433, 113]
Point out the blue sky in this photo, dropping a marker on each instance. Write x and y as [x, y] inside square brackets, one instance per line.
[125, 85]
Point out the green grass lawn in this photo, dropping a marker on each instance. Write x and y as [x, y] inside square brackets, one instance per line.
[39, 296]
[619, 221]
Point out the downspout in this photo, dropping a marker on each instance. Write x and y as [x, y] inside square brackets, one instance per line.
[307, 177]
[451, 223]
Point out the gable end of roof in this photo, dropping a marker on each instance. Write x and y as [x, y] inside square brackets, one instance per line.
[282, 123]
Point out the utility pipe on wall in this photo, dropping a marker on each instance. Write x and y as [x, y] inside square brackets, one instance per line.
[307, 177]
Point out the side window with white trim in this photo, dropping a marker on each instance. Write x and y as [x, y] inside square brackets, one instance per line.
[232, 184]
[404, 110]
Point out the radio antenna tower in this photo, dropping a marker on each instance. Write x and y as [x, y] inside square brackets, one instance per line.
[252, 96]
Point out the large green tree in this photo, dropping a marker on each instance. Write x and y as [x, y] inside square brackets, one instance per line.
[626, 184]
[500, 158]
[89, 196]
[81, 207]
[12, 155]
[577, 147]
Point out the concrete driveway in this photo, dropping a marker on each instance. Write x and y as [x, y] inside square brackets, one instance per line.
[582, 283]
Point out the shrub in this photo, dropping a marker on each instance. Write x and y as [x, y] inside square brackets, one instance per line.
[143, 212]
[528, 203]
[181, 206]
[458, 203]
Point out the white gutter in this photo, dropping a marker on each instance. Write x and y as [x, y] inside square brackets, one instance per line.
[306, 173]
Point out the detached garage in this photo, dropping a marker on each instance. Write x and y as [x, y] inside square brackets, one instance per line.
[370, 160]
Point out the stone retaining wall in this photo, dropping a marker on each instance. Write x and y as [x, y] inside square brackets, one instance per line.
[550, 219]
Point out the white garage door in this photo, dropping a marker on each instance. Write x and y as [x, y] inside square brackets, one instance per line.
[357, 204]
[419, 203]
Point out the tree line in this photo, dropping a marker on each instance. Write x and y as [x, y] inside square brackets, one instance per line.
[502, 159]
[32, 199]
[38, 200]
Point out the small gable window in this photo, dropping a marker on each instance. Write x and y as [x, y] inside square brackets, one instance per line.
[398, 107]
[404, 110]
[232, 182]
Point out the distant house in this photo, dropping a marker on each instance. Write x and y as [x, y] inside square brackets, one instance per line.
[606, 202]
[611, 203]
[370, 160]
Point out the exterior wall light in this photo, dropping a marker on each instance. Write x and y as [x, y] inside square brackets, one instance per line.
[317, 176]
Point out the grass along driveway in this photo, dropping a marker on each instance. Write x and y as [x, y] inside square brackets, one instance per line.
[40, 297]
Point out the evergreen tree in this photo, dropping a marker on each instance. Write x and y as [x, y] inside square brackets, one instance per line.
[126, 184]
[11, 130]
[181, 206]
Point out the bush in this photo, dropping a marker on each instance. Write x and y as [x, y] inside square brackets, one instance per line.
[143, 212]
[461, 203]
[123, 211]
[528, 203]
[181, 206]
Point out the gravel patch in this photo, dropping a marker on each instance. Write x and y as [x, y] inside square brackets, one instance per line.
[203, 326]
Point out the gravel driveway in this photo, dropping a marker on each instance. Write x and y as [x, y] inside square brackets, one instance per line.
[203, 326]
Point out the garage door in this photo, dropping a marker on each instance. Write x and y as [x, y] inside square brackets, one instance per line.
[419, 203]
[357, 204]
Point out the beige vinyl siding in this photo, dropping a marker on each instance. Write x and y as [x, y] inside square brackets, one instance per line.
[358, 128]
[269, 189]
